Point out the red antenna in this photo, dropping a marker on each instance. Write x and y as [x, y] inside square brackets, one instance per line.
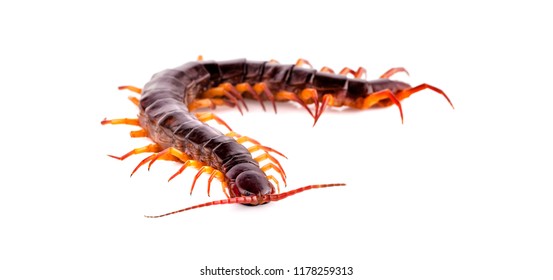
[254, 199]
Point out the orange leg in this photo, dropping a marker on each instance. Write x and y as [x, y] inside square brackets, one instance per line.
[167, 154]
[194, 163]
[200, 57]
[134, 100]
[214, 173]
[152, 148]
[407, 92]
[230, 88]
[135, 122]
[302, 62]
[207, 103]
[121, 121]
[245, 87]
[326, 70]
[376, 98]
[310, 95]
[225, 90]
[217, 174]
[356, 74]
[392, 71]
[131, 88]
[241, 139]
[205, 117]
[265, 156]
[139, 133]
[271, 165]
[328, 100]
[260, 88]
[290, 96]
[271, 177]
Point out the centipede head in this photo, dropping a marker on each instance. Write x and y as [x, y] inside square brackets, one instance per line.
[250, 183]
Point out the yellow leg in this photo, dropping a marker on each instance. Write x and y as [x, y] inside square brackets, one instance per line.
[171, 154]
[121, 121]
[205, 117]
[271, 165]
[152, 148]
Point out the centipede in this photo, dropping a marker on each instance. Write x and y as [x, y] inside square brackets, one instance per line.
[176, 105]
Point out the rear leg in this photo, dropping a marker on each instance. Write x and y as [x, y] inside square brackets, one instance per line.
[408, 92]
[380, 98]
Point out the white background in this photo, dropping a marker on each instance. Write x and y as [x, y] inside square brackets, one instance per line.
[450, 194]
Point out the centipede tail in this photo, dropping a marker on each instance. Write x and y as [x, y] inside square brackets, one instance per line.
[168, 101]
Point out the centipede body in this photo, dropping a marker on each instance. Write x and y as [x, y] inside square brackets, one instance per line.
[168, 101]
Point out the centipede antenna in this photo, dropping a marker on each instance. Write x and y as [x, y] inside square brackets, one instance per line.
[281, 196]
[254, 200]
[232, 200]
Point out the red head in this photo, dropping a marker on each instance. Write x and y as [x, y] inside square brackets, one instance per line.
[250, 183]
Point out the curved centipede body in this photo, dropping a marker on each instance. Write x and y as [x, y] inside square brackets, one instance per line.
[168, 100]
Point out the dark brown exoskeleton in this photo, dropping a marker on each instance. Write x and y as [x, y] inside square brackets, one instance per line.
[168, 99]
